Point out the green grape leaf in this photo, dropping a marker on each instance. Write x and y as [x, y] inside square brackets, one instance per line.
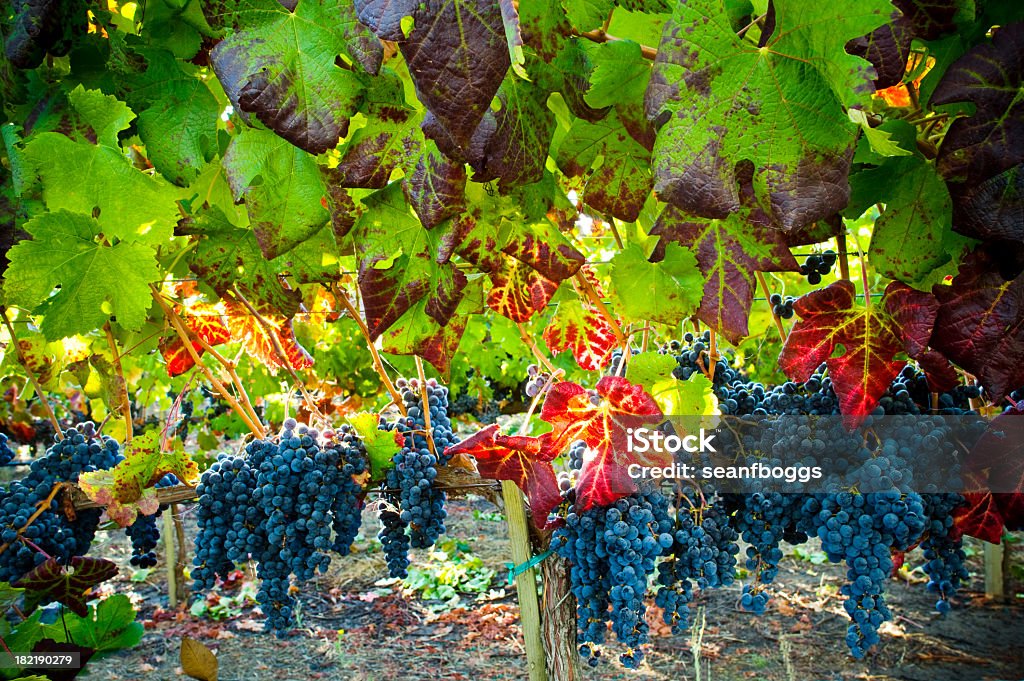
[176, 25]
[177, 116]
[990, 76]
[229, 256]
[96, 280]
[665, 292]
[457, 55]
[729, 253]
[106, 116]
[586, 15]
[617, 167]
[279, 65]
[879, 139]
[717, 99]
[9, 596]
[620, 74]
[381, 445]
[107, 626]
[127, 489]
[315, 260]
[99, 180]
[282, 187]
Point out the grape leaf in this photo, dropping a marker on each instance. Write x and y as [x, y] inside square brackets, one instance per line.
[689, 398]
[664, 292]
[457, 56]
[729, 253]
[511, 143]
[913, 236]
[100, 117]
[279, 64]
[995, 463]
[396, 263]
[515, 458]
[99, 180]
[433, 327]
[177, 116]
[870, 338]
[990, 76]
[127, 489]
[601, 418]
[381, 445]
[51, 582]
[258, 340]
[65, 251]
[992, 210]
[282, 187]
[107, 626]
[377, 148]
[205, 321]
[197, 660]
[228, 256]
[583, 330]
[716, 99]
[980, 325]
[620, 74]
[434, 185]
[616, 166]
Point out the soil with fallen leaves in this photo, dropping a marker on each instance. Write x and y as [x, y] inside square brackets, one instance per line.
[357, 625]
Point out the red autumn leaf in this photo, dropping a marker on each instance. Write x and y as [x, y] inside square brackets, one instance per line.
[206, 322]
[870, 337]
[248, 329]
[519, 291]
[583, 330]
[995, 480]
[515, 458]
[588, 273]
[980, 325]
[601, 418]
[51, 582]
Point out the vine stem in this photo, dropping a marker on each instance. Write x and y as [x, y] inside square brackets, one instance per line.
[186, 338]
[863, 274]
[40, 509]
[31, 376]
[282, 357]
[712, 354]
[378, 365]
[767, 296]
[591, 293]
[126, 408]
[426, 406]
[555, 375]
[599, 35]
[844, 261]
[532, 344]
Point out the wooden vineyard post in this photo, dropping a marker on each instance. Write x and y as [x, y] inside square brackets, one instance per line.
[558, 621]
[171, 559]
[526, 581]
[994, 570]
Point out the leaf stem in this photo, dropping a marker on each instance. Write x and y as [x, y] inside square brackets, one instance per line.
[426, 405]
[591, 293]
[250, 420]
[556, 374]
[378, 365]
[863, 274]
[282, 357]
[599, 35]
[844, 258]
[58, 432]
[126, 407]
[532, 344]
[767, 296]
[712, 354]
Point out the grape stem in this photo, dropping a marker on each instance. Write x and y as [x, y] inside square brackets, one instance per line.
[250, 419]
[41, 508]
[600, 35]
[767, 296]
[58, 433]
[426, 406]
[532, 344]
[554, 375]
[712, 355]
[126, 408]
[282, 357]
[378, 365]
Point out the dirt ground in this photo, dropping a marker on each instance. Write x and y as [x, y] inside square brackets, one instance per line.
[356, 627]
